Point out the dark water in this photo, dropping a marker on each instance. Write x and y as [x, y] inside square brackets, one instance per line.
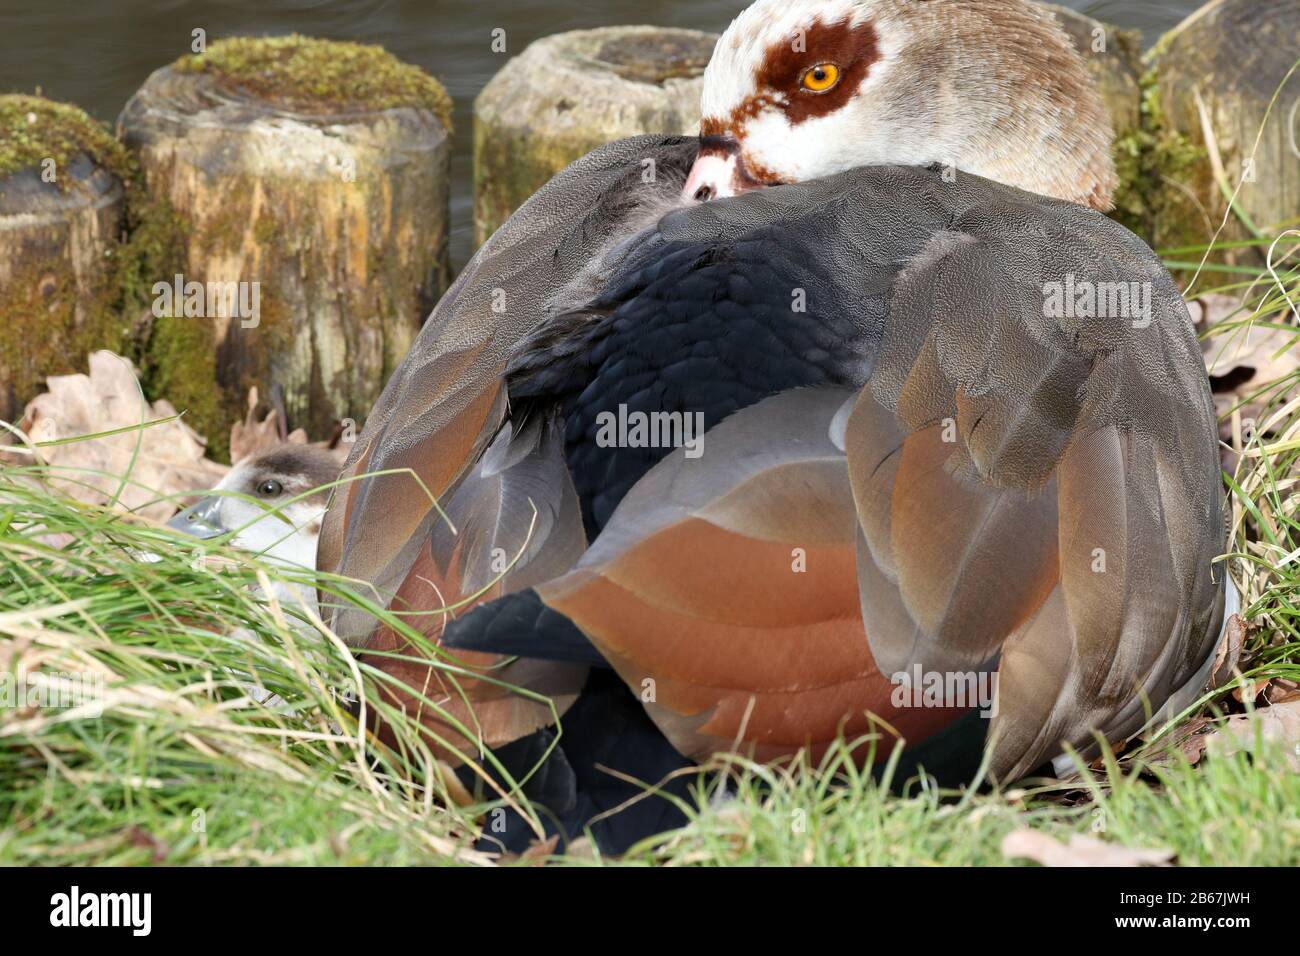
[96, 52]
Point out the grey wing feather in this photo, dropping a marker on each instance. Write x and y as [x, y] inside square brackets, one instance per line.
[1036, 477]
[1082, 440]
[446, 401]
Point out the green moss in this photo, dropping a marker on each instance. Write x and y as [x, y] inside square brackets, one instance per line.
[49, 323]
[266, 230]
[511, 164]
[176, 356]
[1148, 159]
[179, 364]
[221, 233]
[48, 326]
[33, 129]
[154, 250]
[319, 76]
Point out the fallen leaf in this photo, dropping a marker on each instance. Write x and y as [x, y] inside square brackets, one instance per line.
[1229, 652]
[1248, 693]
[1243, 360]
[1193, 743]
[1283, 692]
[1046, 850]
[254, 435]
[1280, 723]
[541, 849]
[1208, 311]
[581, 849]
[539, 852]
[1190, 738]
[168, 458]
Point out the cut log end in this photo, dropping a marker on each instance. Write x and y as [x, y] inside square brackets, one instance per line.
[567, 94]
[317, 77]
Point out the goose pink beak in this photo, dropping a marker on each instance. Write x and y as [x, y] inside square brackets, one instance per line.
[713, 177]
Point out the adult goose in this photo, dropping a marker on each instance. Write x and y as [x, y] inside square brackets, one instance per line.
[932, 439]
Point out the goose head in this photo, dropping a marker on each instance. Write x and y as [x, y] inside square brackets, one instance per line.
[802, 89]
[255, 500]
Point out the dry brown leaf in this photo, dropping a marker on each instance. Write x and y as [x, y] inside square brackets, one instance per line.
[1247, 693]
[159, 850]
[252, 435]
[539, 853]
[1283, 691]
[1046, 850]
[581, 849]
[1189, 738]
[1209, 310]
[1280, 723]
[1229, 652]
[1192, 742]
[541, 850]
[1243, 360]
[170, 458]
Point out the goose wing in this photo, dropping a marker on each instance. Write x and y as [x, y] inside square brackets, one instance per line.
[444, 504]
[1025, 480]
[999, 478]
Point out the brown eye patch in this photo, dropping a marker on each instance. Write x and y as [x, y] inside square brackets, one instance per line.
[852, 49]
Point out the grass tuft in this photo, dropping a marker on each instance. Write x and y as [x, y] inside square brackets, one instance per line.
[155, 708]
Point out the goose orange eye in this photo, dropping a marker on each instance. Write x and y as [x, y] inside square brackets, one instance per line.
[821, 78]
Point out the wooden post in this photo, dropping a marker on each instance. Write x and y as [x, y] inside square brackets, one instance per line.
[61, 213]
[569, 93]
[1217, 73]
[310, 180]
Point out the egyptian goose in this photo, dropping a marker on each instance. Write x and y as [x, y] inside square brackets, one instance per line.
[780, 424]
[256, 501]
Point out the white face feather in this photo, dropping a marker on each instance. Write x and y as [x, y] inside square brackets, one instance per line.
[991, 88]
[732, 73]
[266, 525]
[790, 151]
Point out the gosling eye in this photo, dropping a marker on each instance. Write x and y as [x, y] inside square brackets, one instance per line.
[820, 78]
[270, 489]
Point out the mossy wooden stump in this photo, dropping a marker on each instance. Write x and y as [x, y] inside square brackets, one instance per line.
[1219, 70]
[311, 180]
[61, 211]
[569, 93]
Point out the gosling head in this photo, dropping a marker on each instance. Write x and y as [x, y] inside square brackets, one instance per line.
[802, 89]
[255, 500]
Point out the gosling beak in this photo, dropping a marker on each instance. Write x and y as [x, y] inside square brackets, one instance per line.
[203, 520]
